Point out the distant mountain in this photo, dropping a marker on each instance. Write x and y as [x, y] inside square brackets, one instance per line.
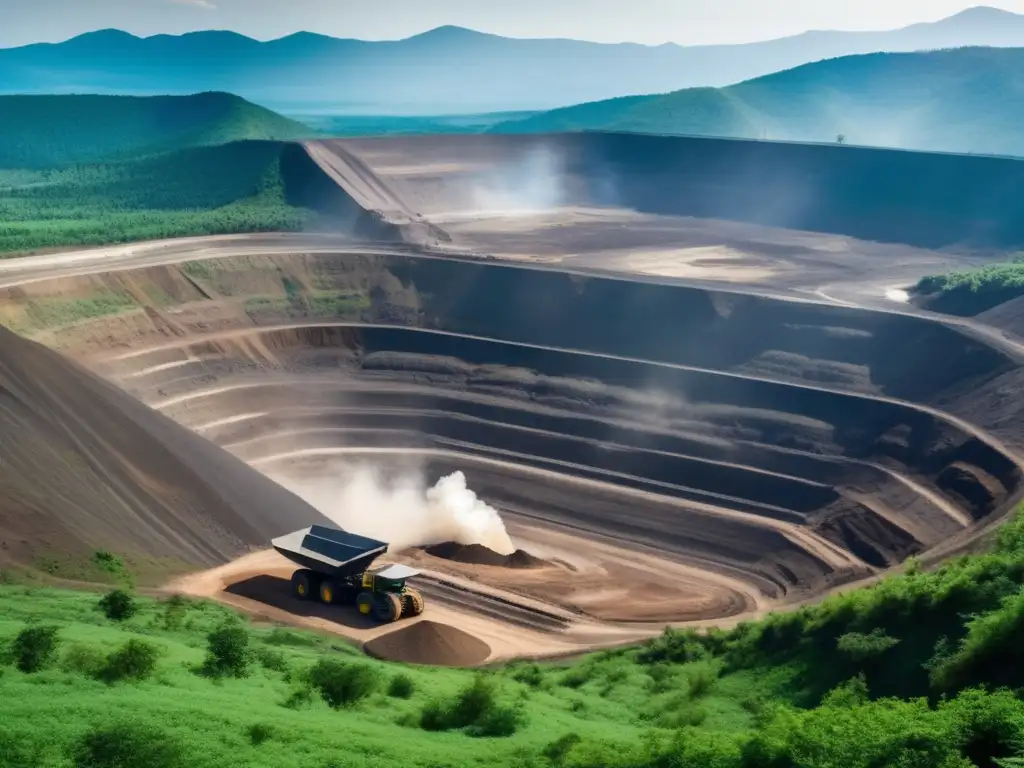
[49, 131]
[965, 100]
[448, 69]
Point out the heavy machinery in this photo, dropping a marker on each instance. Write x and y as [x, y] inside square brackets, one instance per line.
[336, 571]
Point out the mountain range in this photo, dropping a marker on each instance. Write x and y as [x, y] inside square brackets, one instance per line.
[449, 69]
[962, 100]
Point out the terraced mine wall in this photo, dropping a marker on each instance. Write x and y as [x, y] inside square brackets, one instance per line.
[916, 198]
[788, 444]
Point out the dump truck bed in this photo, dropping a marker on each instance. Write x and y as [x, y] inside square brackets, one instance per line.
[330, 550]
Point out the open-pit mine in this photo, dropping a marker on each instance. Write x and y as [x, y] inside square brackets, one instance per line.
[675, 367]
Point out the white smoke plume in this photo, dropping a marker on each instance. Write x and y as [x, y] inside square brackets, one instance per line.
[403, 511]
[531, 184]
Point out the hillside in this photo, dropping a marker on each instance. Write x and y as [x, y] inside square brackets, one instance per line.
[86, 467]
[468, 71]
[50, 131]
[181, 683]
[237, 187]
[967, 100]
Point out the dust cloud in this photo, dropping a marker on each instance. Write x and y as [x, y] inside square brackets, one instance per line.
[534, 184]
[403, 511]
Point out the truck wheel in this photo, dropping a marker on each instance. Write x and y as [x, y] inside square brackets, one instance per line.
[365, 603]
[303, 584]
[387, 607]
[328, 592]
[412, 603]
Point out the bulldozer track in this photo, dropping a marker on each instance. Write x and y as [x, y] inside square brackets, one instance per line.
[492, 606]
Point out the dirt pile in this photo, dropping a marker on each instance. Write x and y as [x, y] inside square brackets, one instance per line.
[427, 642]
[478, 554]
[85, 466]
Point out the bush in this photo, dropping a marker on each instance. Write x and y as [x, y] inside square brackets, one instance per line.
[127, 745]
[35, 648]
[529, 674]
[272, 660]
[560, 748]
[135, 660]
[498, 721]
[227, 653]
[84, 660]
[175, 610]
[259, 733]
[16, 751]
[401, 687]
[476, 709]
[341, 684]
[118, 605]
[679, 647]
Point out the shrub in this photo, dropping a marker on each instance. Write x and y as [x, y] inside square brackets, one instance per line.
[118, 605]
[529, 674]
[272, 660]
[401, 687]
[127, 745]
[300, 697]
[560, 748]
[498, 721]
[341, 684]
[681, 647]
[701, 679]
[83, 659]
[35, 648]
[476, 709]
[135, 660]
[16, 751]
[227, 653]
[175, 610]
[259, 733]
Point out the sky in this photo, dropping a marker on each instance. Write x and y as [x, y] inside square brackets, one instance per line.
[687, 22]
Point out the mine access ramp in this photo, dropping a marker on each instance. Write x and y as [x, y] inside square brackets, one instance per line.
[335, 569]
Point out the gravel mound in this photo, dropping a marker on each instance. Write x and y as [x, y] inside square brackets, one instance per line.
[427, 642]
[477, 554]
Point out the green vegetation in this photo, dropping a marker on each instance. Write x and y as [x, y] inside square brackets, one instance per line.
[973, 291]
[394, 125]
[924, 669]
[201, 191]
[963, 100]
[40, 132]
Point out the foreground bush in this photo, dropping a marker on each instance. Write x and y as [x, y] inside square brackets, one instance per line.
[343, 684]
[475, 709]
[128, 745]
[35, 648]
[227, 653]
[118, 605]
[135, 660]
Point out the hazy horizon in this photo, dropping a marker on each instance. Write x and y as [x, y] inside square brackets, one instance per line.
[651, 22]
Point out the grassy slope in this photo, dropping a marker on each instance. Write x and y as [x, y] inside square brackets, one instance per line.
[50, 131]
[966, 100]
[204, 190]
[798, 690]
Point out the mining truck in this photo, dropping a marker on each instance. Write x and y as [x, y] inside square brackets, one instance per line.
[336, 571]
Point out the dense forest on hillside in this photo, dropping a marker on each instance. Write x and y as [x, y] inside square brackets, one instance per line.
[200, 191]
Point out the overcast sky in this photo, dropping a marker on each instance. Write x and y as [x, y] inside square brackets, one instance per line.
[645, 21]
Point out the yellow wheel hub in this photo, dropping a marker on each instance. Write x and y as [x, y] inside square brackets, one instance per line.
[364, 608]
[302, 589]
[328, 594]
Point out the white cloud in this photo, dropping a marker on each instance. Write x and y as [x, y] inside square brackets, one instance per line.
[204, 4]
